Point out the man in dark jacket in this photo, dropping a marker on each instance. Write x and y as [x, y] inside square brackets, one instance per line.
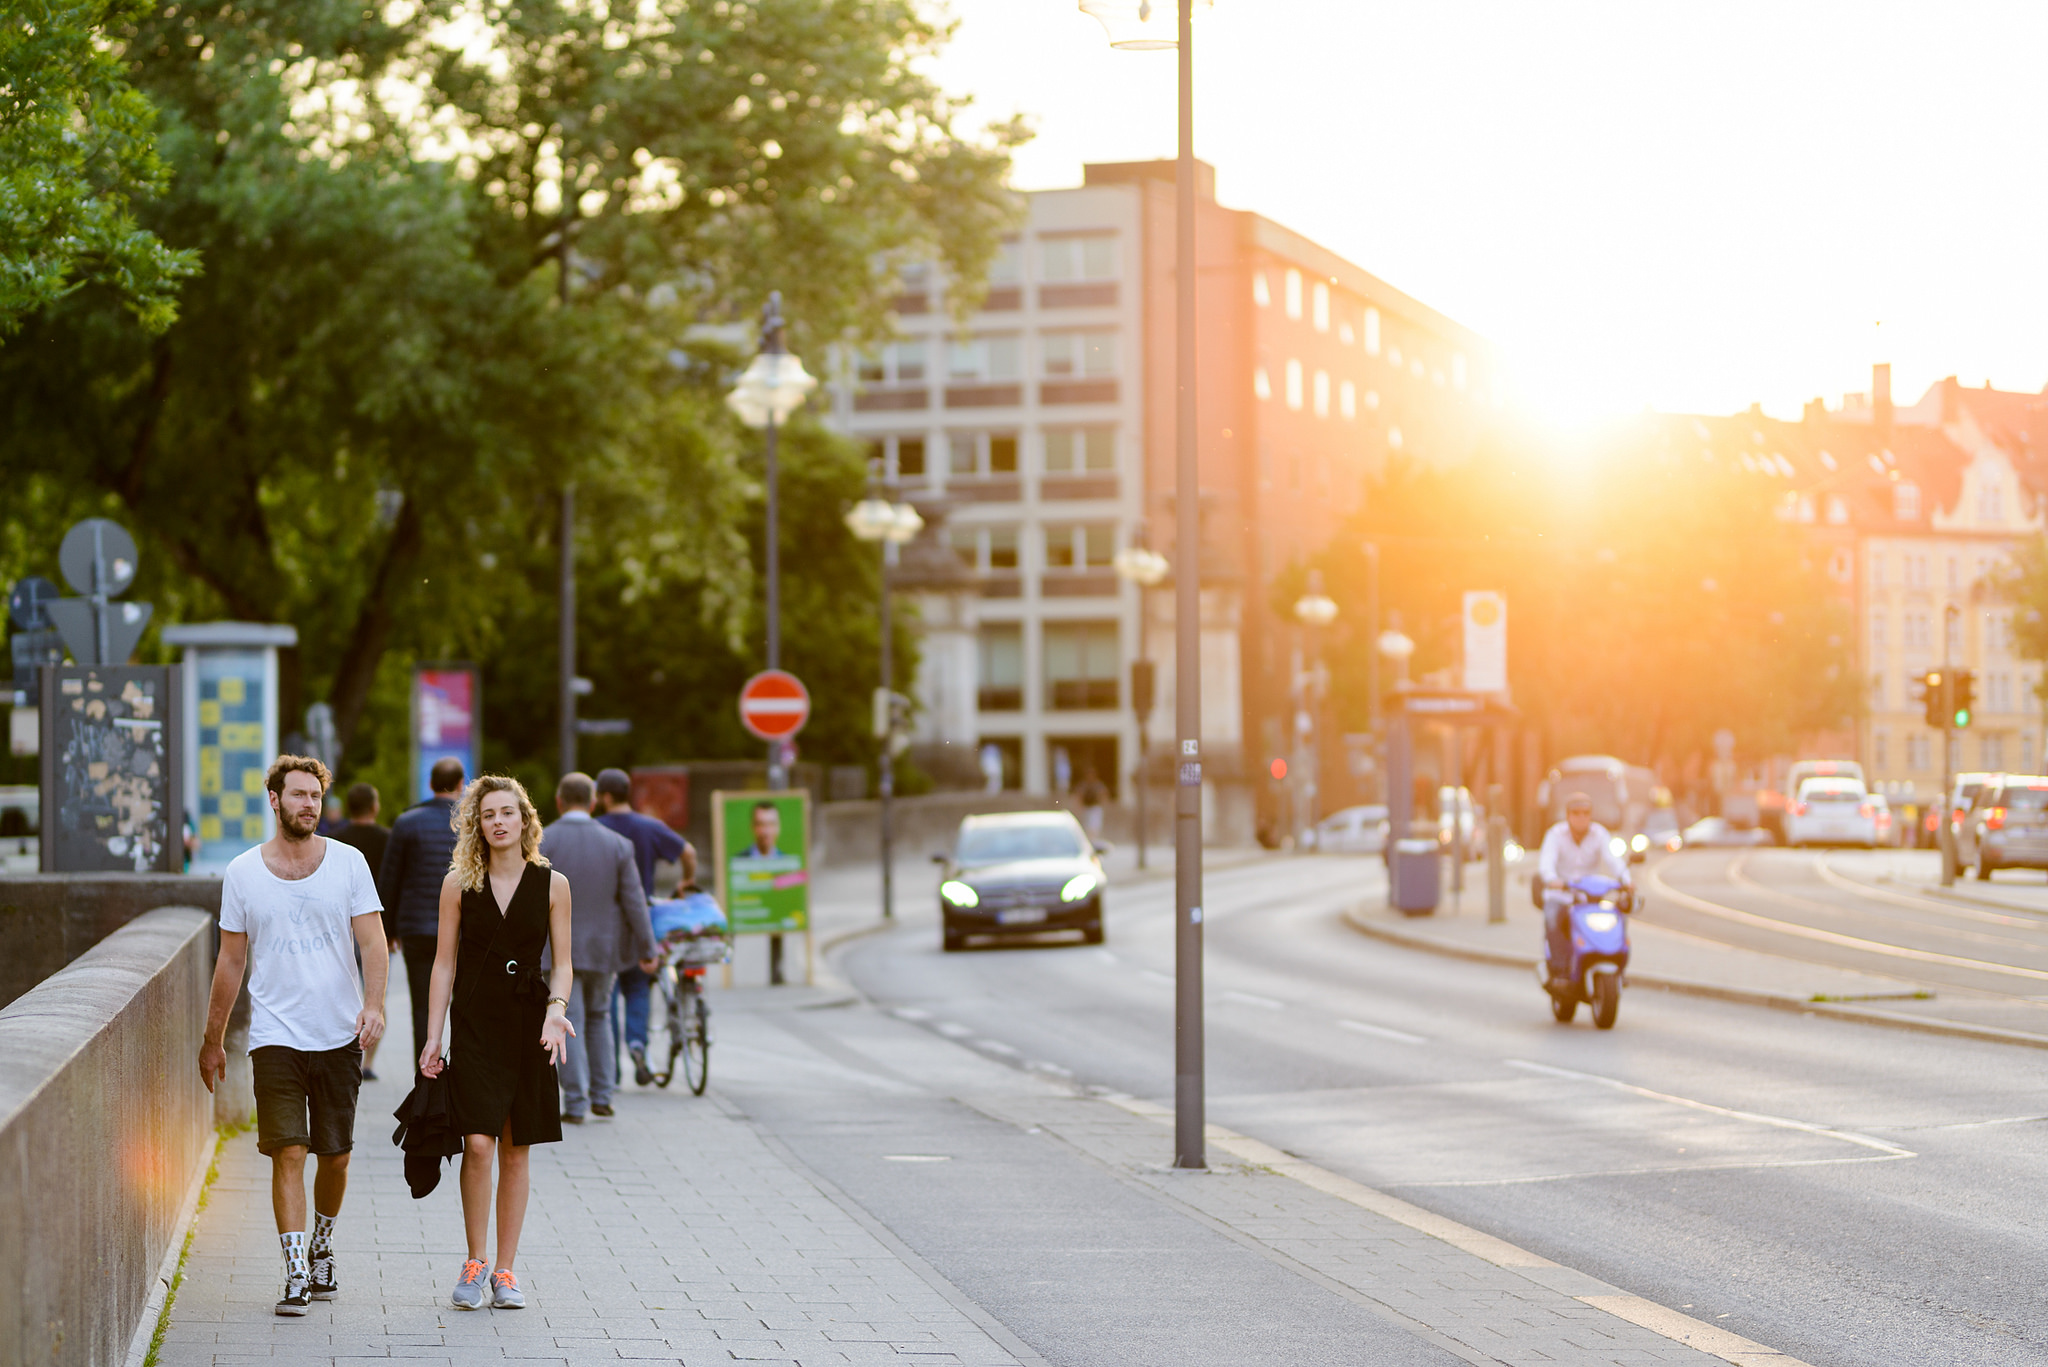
[415, 861]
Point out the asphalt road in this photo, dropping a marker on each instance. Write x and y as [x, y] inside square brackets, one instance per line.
[1846, 1193]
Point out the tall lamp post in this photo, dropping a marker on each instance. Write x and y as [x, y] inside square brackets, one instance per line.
[769, 390]
[878, 518]
[1396, 646]
[1314, 610]
[1144, 568]
[1140, 25]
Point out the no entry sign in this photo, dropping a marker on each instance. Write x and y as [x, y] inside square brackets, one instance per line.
[774, 705]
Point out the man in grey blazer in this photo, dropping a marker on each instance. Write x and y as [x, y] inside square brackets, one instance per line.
[608, 931]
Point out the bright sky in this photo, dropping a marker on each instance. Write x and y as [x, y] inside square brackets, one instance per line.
[1694, 207]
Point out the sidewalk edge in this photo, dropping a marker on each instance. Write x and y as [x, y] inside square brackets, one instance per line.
[1646, 1314]
[1777, 1001]
[188, 1215]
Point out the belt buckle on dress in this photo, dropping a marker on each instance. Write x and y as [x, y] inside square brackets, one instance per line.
[511, 967]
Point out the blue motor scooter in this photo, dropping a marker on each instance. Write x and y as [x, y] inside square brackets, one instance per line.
[1599, 951]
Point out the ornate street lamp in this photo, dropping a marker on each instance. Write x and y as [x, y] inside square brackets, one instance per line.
[768, 391]
[877, 519]
[1144, 568]
[1143, 25]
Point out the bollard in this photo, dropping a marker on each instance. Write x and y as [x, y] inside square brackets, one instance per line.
[1496, 862]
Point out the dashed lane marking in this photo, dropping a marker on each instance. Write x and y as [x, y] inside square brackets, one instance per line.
[1382, 1032]
[1249, 999]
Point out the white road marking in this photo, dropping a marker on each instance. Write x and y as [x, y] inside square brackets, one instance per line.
[952, 1030]
[995, 1047]
[1156, 976]
[1039, 1066]
[1980, 1124]
[1247, 999]
[917, 1158]
[910, 1013]
[1793, 928]
[1829, 873]
[1889, 1149]
[1382, 1032]
[1107, 956]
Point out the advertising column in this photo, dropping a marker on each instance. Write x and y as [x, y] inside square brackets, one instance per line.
[447, 722]
[230, 725]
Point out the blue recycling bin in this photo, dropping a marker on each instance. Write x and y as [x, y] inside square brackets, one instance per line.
[1415, 876]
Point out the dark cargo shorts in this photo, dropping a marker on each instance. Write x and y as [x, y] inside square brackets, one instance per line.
[306, 1098]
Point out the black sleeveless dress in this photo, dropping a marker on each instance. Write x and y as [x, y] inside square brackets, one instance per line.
[497, 1069]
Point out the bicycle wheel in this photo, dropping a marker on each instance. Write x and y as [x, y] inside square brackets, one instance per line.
[697, 1042]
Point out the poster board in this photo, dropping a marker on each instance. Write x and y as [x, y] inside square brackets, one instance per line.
[761, 850]
[111, 751]
[447, 722]
[236, 727]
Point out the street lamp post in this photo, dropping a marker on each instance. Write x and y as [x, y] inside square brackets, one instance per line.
[1142, 568]
[1140, 25]
[878, 518]
[1314, 610]
[1396, 646]
[769, 390]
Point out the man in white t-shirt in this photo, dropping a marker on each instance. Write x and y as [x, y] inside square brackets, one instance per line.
[297, 910]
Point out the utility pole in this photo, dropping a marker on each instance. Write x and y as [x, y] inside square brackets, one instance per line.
[565, 587]
[1944, 835]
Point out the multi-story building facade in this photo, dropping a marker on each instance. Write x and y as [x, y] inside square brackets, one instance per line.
[1040, 436]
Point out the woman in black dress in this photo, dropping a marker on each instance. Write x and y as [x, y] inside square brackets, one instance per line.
[501, 906]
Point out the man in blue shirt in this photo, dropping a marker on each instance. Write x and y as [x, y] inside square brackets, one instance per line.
[416, 859]
[651, 840]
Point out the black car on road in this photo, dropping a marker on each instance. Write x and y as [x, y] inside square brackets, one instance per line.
[1020, 873]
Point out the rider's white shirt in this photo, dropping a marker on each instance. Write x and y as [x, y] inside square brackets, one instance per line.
[1564, 858]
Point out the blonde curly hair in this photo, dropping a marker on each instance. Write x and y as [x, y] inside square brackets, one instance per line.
[472, 859]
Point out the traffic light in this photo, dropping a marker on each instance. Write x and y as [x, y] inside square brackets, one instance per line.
[1934, 705]
[1963, 694]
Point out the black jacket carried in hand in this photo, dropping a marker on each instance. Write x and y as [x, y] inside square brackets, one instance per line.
[427, 1132]
[415, 861]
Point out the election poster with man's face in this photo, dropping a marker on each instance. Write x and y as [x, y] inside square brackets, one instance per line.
[763, 857]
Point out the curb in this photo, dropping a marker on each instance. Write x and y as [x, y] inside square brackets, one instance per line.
[1776, 1001]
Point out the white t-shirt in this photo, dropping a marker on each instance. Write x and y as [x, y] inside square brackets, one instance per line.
[304, 988]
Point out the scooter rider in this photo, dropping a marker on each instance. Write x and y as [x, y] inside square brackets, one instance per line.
[1573, 848]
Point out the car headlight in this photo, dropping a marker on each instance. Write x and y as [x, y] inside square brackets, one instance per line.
[1079, 886]
[1639, 842]
[959, 894]
[1602, 920]
[1619, 846]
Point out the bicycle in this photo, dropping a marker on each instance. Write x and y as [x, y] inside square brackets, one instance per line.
[680, 979]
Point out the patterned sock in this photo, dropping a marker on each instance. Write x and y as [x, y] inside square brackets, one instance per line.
[323, 1236]
[295, 1254]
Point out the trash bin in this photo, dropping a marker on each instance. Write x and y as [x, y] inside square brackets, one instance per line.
[1415, 876]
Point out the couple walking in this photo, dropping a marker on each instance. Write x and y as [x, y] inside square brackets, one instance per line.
[298, 910]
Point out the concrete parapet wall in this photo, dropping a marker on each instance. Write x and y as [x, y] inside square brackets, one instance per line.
[104, 1128]
[49, 919]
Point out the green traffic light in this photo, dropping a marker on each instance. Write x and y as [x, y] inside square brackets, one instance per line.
[1962, 717]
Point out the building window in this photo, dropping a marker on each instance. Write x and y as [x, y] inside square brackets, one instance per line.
[1905, 501]
[1914, 634]
[1090, 257]
[1293, 293]
[1877, 633]
[1080, 451]
[990, 357]
[1841, 566]
[1372, 399]
[1081, 664]
[1347, 399]
[1955, 575]
[1007, 266]
[1838, 511]
[896, 363]
[1394, 357]
[1991, 502]
[1877, 692]
[982, 453]
[1917, 751]
[1319, 307]
[1262, 293]
[1001, 680]
[1087, 546]
[1372, 332]
[1879, 744]
[1344, 333]
[1074, 355]
[1319, 390]
[1992, 748]
[1394, 438]
[900, 457]
[1876, 569]
[986, 547]
[1262, 383]
[1294, 392]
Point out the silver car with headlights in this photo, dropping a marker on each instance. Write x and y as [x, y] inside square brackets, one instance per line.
[1020, 873]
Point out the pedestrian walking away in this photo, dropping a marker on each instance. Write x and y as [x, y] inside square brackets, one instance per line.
[409, 880]
[610, 931]
[503, 910]
[369, 839]
[296, 911]
[652, 842]
[1094, 794]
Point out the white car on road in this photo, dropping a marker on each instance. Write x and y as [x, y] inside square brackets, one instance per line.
[1831, 811]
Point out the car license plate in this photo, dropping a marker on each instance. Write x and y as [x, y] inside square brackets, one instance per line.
[1020, 916]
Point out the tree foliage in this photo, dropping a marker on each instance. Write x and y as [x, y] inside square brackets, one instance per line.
[77, 148]
[460, 258]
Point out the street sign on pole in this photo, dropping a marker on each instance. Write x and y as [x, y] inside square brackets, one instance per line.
[774, 705]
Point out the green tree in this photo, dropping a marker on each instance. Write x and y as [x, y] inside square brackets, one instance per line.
[77, 149]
